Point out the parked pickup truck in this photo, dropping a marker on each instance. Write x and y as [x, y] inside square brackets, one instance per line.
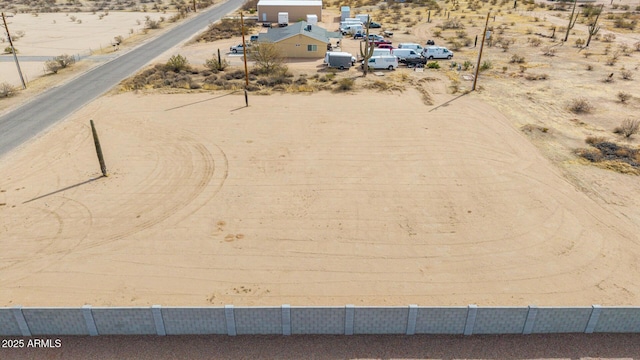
[415, 62]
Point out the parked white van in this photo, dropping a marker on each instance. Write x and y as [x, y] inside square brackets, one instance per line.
[351, 29]
[381, 52]
[437, 52]
[383, 62]
[414, 46]
[403, 54]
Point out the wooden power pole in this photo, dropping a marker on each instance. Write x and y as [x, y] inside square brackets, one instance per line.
[13, 50]
[244, 52]
[484, 36]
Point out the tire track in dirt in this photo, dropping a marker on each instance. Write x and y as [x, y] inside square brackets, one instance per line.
[181, 173]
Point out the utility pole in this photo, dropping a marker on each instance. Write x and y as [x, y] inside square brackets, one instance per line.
[484, 36]
[244, 52]
[13, 50]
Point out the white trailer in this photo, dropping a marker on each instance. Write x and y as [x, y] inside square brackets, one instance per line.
[345, 12]
[312, 19]
[283, 19]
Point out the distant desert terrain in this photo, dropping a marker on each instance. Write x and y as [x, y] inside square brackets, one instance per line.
[329, 198]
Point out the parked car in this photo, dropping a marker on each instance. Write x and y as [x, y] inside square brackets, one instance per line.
[415, 62]
[253, 38]
[375, 37]
[358, 36]
[267, 25]
[385, 46]
[237, 49]
[381, 42]
[374, 25]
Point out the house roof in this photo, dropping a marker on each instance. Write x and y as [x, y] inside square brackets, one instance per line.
[299, 28]
[290, 3]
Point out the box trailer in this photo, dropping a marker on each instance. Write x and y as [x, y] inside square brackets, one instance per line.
[340, 60]
[345, 12]
[283, 19]
[312, 19]
[363, 17]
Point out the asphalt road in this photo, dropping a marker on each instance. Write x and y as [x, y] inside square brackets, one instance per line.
[55, 104]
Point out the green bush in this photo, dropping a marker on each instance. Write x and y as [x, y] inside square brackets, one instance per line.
[433, 65]
[177, 63]
[486, 65]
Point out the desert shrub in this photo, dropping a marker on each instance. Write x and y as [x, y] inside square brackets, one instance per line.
[225, 29]
[455, 45]
[589, 67]
[637, 46]
[593, 140]
[467, 65]
[628, 128]
[152, 24]
[580, 106]
[7, 90]
[626, 74]
[59, 62]
[433, 65]
[534, 42]
[549, 51]
[531, 76]
[580, 42]
[9, 50]
[486, 65]
[622, 24]
[437, 33]
[608, 79]
[177, 63]
[345, 84]
[608, 37]
[214, 65]
[268, 59]
[593, 155]
[517, 59]
[453, 23]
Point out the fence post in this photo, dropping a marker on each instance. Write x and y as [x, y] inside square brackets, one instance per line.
[22, 322]
[593, 319]
[531, 320]
[411, 320]
[88, 318]
[349, 319]
[231, 321]
[156, 310]
[471, 319]
[286, 319]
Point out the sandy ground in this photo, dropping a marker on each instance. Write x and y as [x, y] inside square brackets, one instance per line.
[210, 202]
[556, 346]
[51, 34]
[326, 199]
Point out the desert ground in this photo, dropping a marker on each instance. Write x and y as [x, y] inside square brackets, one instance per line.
[329, 198]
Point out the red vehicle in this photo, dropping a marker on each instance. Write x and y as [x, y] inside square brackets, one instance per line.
[384, 46]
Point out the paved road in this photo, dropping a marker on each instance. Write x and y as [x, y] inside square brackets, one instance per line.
[55, 104]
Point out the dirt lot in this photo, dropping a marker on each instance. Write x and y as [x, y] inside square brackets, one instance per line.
[363, 197]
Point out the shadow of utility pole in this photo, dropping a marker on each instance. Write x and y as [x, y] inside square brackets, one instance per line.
[63, 189]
